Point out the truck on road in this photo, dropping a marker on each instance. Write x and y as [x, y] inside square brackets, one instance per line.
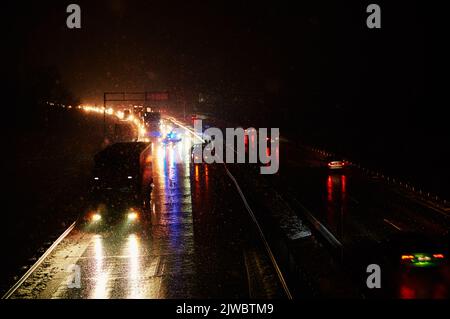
[152, 122]
[123, 172]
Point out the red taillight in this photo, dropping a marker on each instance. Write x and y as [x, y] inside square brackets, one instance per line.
[440, 256]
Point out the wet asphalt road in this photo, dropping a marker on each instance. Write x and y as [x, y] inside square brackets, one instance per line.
[194, 241]
[353, 206]
[129, 261]
[363, 214]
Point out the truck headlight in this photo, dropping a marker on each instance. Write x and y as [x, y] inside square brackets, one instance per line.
[132, 216]
[96, 217]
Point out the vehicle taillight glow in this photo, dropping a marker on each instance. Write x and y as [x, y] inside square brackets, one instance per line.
[407, 257]
[439, 256]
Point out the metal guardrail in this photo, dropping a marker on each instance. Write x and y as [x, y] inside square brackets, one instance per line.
[253, 217]
[426, 196]
[13, 289]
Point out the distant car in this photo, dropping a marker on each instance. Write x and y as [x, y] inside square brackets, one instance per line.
[418, 250]
[422, 259]
[124, 132]
[272, 139]
[336, 163]
[197, 152]
[171, 137]
[126, 114]
[152, 119]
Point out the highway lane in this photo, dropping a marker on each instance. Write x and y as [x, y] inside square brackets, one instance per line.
[349, 203]
[352, 205]
[364, 214]
[125, 262]
[194, 241]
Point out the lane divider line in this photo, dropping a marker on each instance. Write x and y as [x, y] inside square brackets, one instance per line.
[392, 224]
[13, 289]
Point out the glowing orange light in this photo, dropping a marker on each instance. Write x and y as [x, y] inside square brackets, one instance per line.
[96, 217]
[407, 257]
[132, 216]
[197, 173]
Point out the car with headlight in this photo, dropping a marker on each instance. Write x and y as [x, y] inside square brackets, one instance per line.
[418, 250]
[124, 132]
[109, 215]
[171, 137]
[335, 163]
[126, 114]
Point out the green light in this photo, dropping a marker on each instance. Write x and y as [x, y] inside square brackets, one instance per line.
[423, 264]
[423, 260]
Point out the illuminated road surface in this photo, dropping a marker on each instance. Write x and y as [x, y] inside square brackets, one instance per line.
[196, 243]
[363, 214]
[124, 261]
[163, 257]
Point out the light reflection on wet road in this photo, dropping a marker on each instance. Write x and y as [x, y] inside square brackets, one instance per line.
[153, 261]
[363, 214]
[194, 240]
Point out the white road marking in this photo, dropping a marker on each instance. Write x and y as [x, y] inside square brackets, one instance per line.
[392, 224]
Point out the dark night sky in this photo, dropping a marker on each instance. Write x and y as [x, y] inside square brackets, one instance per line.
[135, 45]
[126, 45]
[312, 68]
